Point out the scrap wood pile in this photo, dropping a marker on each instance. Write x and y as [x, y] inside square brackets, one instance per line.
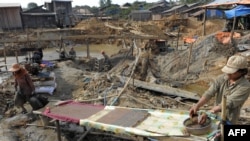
[5, 101]
[105, 90]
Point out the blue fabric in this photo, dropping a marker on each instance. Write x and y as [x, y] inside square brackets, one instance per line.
[240, 10]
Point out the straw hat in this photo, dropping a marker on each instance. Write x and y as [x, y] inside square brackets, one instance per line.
[235, 63]
[15, 67]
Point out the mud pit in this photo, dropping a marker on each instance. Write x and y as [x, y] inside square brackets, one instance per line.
[76, 80]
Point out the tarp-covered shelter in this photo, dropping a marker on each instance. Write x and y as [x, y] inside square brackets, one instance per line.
[240, 10]
[222, 5]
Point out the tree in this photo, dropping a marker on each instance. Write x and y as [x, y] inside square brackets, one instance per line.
[102, 3]
[108, 3]
[31, 5]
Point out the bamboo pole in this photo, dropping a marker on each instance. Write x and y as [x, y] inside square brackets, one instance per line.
[223, 115]
[189, 57]
[16, 54]
[232, 31]
[204, 22]
[178, 36]
[5, 61]
[87, 44]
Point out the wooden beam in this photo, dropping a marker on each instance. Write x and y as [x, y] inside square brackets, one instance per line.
[75, 37]
[58, 131]
[163, 89]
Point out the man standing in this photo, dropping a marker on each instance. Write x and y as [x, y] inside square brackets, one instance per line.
[233, 85]
[23, 85]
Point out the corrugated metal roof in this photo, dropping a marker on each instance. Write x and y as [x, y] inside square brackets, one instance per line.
[226, 2]
[198, 13]
[174, 8]
[141, 11]
[40, 14]
[2, 5]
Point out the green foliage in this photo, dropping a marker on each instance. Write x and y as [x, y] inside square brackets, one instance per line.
[116, 11]
[105, 3]
[31, 5]
[102, 3]
[108, 3]
[113, 10]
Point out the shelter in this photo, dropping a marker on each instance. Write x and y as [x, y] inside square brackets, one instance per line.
[10, 16]
[141, 15]
[159, 7]
[83, 13]
[240, 10]
[63, 10]
[39, 18]
[223, 5]
[175, 10]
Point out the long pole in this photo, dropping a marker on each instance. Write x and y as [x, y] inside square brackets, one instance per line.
[223, 115]
[204, 22]
[5, 59]
[232, 31]
[189, 56]
[87, 44]
[178, 36]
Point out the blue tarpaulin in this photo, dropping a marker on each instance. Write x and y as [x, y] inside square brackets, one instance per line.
[240, 10]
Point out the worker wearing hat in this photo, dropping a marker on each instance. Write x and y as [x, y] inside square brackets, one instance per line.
[23, 85]
[233, 84]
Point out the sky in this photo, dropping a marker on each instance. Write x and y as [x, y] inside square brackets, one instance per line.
[91, 3]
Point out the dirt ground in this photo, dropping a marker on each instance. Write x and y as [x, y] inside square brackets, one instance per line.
[77, 79]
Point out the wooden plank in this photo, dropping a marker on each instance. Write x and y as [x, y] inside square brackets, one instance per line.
[163, 89]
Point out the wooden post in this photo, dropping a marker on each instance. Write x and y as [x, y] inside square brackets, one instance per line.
[177, 44]
[58, 130]
[132, 49]
[87, 44]
[189, 56]
[232, 31]
[223, 115]
[16, 54]
[5, 59]
[61, 43]
[204, 22]
[38, 39]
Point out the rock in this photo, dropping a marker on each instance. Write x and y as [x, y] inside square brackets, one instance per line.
[16, 121]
